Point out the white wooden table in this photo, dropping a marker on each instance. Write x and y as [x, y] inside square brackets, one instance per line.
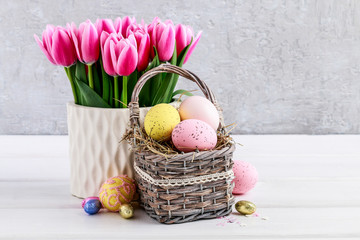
[309, 188]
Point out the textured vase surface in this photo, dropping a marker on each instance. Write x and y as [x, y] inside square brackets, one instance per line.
[96, 150]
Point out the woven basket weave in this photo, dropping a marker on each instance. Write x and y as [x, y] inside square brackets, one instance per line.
[187, 186]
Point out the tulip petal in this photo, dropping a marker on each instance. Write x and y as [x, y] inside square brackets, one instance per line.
[105, 25]
[166, 44]
[44, 50]
[47, 37]
[132, 40]
[62, 49]
[118, 25]
[181, 38]
[90, 44]
[193, 45]
[126, 22]
[103, 37]
[75, 36]
[143, 52]
[127, 60]
[113, 54]
[107, 61]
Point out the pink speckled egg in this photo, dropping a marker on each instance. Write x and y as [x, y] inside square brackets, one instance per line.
[246, 177]
[197, 107]
[193, 134]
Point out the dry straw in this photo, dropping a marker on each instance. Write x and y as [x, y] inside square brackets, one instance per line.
[203, 179]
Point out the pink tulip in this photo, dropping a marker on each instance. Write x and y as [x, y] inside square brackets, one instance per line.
[86, 41]
[183, 35]
[163, 38]
[57, 46]
[120, 56]
[105, 25]
[105, 39]
[143, 47]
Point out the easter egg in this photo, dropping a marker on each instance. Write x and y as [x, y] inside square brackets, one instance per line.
[197, 107]
[117, 191]
[160, 120]
[245, 207]
[92, 206]
[87, 199]
[126, 211]
[246, 177]
[193, 134]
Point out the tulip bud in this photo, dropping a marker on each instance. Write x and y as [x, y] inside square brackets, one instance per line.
[105, 25]
[57, 46]
[183, 35]
[162, 36]
[86, 41]
[143, 47]
[119, 55]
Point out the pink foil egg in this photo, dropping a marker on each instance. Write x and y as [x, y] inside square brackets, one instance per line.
[246, 177]
[193, 134]
[197, 107]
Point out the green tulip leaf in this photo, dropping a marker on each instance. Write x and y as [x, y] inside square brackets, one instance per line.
[107, 86]
[183, 53]
[164, 93]
[181, 92]
[80, 72]
[97, 83]
[149, 89]
[133, 78]
[89, 97]
[179, 62]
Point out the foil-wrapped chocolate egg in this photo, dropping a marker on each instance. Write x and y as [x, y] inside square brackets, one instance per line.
[126, 211]
[92, 206]
[245, 207]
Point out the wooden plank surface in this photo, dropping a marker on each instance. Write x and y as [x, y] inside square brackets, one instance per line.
[309, 187]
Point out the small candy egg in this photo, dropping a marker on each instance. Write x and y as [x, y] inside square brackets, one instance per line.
[245, 207]
[197, 107]
[87, 199]
[160, 120]
[246, 177]
[126, 211]
[92, 206]
[117, 191]
[193, 134]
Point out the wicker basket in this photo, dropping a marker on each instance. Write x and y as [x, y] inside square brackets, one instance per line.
[188, 186]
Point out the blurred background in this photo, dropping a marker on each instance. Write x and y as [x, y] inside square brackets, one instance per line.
[276, 67]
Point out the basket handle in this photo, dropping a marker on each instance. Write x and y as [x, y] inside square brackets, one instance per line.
[169, 68]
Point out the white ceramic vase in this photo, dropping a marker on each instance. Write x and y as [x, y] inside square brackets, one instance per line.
[96, 150]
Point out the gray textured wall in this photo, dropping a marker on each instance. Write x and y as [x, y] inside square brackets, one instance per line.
[275, 66]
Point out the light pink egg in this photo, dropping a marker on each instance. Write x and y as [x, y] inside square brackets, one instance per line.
[193, 134]
[197, 107]
[246, 177]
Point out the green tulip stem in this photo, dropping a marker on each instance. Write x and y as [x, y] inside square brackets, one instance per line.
[124, 92]
[91, 76]
[116, 91]
[68, 73]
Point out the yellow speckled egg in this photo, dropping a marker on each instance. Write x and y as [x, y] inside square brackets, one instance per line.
[160, 121]
[117, 191]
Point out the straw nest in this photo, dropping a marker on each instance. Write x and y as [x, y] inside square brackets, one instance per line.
[140, 141]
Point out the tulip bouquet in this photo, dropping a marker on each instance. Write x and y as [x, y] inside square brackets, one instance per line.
[103, 61]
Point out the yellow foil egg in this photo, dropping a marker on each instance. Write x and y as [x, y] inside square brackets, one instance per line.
[126, 211]
[245, 207]
[117, 191]
[160, 121]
